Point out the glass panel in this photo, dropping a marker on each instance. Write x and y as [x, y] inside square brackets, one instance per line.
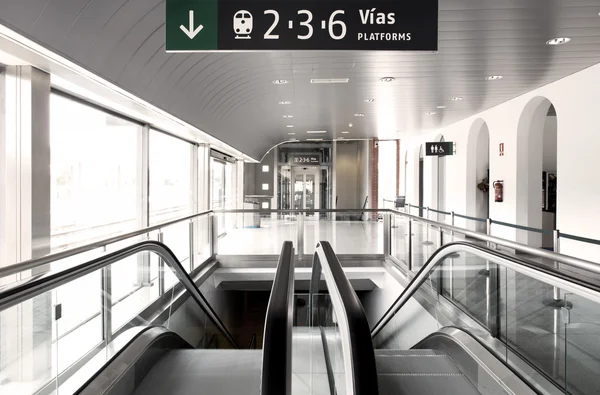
[92, 198]
[400, 238]
[170, 180]
[310, 192]
[299, 191]
[257, 234]
[425, 242]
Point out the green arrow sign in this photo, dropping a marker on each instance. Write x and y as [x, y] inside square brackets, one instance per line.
[192, 25]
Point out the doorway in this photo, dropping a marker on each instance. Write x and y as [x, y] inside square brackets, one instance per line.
[307, 191]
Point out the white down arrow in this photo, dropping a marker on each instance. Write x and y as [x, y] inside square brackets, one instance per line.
[191, 32]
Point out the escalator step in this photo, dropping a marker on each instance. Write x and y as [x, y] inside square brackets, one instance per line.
[425, 384]
[421, 364]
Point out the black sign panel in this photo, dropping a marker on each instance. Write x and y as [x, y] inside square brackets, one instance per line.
[409, 25]
[307, 160]
[444, 148]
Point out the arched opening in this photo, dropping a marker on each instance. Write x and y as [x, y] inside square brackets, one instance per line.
[421, 180]
[478, 175]
[537, 172]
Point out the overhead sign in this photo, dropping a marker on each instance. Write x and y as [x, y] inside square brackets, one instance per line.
[307, 160]
[255, 25]
[444, 148]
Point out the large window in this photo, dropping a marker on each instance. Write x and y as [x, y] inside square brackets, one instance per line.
[94, 159]
[170, 177]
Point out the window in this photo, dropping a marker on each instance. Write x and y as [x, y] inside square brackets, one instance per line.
[265, 187]
[265, 169]
[170, 177]
[93, 173]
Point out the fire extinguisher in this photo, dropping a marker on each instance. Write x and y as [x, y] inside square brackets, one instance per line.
[498, 191]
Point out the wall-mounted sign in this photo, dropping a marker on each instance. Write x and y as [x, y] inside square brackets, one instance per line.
[443, 148]
[501, 149]
[233, 25]
[304, 160]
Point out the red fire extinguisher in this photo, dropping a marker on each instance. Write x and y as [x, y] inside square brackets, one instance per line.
[498, 191]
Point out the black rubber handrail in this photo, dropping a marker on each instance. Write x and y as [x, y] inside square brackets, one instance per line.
[362, 355]
[21, 291]
[277, 341]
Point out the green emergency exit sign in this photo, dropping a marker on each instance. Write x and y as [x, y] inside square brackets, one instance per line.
[192, 25]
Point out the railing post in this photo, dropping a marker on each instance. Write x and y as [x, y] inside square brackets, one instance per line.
[300, 232]
[452, 219]
[488, 230]
[410, 245]
[214, 236]
[427, 212]
[192, 249]
[106, 304]
[161, 267]
[387, 235]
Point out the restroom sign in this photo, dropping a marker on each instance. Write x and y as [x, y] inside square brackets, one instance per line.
[442, 148]
[272, 25]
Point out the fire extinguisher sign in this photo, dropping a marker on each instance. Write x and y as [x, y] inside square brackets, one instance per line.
[501, 149]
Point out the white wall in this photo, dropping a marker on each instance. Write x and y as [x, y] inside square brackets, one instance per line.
[576, 99]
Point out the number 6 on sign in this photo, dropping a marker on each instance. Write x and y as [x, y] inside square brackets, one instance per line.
[333, 22]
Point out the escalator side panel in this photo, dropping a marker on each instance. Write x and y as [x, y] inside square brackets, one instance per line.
[122, 374]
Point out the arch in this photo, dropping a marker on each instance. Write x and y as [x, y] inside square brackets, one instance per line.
[530, 161]
[478, 168]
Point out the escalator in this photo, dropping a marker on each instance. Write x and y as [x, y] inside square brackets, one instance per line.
[481, 322]
[183, 347]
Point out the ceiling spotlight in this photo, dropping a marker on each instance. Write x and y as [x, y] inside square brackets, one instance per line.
[345, 132]
[316, 131]
[431, 113]
[360, 114]
[280, 82]
[458, 98]
[369, 100]
[288, 116]
[285, 102]
[494, 77]
[387, 79]
[351, 125]
[441, 107]
[291, 134]
[558, 41]
[290, 126]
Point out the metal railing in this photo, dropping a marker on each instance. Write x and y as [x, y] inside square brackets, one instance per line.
[387, 237]
[556, 233]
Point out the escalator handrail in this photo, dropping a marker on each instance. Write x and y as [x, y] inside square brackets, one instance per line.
[357, 350]
[276, 378]
[27, 289]
[549, 276]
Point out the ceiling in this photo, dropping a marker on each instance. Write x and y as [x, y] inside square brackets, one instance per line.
[231, 95]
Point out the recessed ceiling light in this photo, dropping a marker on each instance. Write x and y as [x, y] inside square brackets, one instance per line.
[329, 80]
[351, 125]
[316, 131]
[458, 98]
[387, 79]
[290, 126]
[314, 139]
[431, 113]
[288, 116]
[280, 82]
[494, 77]
[441, 107]
[369, 100]
[285, 102]
[291, 134]
[345, 132]
[558, 41]
[359, 114]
